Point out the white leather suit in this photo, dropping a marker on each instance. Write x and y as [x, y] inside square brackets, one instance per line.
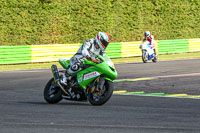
[87, 50]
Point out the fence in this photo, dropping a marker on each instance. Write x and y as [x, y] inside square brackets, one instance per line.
[46, 53]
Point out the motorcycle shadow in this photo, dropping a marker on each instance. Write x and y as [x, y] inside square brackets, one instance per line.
[134, 63]
[57, 104]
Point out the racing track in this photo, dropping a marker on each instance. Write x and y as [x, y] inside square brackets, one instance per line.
[23, 109]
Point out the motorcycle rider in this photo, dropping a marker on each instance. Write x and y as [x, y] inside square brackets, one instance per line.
[150, 38]
[89, 50]
[151, 42]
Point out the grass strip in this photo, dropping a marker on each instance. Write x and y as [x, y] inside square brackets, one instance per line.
[117, 60]
[155, 94]
[139, 92]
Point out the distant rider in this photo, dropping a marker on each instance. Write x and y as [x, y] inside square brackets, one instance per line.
[150, 38]
[89, 50]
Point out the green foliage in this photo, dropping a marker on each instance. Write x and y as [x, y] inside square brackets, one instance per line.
[73, 21]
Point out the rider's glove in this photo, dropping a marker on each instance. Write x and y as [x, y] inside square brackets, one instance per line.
[95, 61]
[141, 46]
[88, 58]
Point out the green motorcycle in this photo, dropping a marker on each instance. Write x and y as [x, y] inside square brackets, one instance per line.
[94, 83]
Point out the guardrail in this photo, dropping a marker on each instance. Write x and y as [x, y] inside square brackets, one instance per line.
[15, 54]
[46, 53]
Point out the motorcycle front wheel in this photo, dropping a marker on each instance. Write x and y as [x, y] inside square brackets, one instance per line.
[100, 96]
[144, 56]
[52, 93]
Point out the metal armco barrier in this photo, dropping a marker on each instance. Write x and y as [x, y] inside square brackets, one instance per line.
[173, 46]
[43, 53]
[47, 53]
[15, 54]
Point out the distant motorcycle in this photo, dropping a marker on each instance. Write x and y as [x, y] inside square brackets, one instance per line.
[148, 53]
[94, 83]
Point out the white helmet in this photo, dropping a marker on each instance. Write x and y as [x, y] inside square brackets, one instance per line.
[147, 34]
[102, 39]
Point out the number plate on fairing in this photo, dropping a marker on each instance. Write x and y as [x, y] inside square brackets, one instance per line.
[90, 75]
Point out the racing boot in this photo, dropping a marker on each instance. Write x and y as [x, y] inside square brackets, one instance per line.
[65, 78]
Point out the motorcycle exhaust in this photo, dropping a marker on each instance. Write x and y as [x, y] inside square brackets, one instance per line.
[55, 74]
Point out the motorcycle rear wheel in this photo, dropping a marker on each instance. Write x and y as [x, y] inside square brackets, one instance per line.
[104, 97]
[52, 93]
[154, 59]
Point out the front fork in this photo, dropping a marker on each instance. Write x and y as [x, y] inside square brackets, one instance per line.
[98, 84]
[145, 53]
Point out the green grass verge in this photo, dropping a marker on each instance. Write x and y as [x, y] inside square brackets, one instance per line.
[119, 60]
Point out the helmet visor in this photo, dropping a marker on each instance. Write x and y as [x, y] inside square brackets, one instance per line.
[104, 42]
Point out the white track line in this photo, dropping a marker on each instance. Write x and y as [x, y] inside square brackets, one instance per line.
[161, 77]
[157, 96]
[179, 75]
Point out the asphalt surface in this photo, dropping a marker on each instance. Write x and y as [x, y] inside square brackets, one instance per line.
[23, 109]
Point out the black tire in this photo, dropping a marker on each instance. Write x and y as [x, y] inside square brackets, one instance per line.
[105, 97]
[54, 97]
[144, 58]
[154, 60]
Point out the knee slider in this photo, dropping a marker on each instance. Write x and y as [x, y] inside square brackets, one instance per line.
[75, 67]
